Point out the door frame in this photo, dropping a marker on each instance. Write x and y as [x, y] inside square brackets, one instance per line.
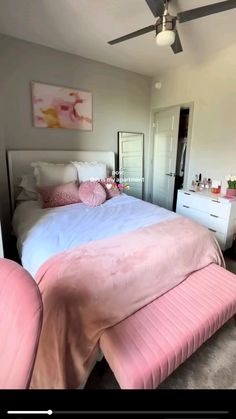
[154, 111]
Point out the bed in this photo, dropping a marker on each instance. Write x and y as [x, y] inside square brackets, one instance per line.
[63, 228]
[67, 227]
[97, 266]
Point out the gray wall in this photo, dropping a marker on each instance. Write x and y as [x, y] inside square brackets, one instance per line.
[4, 192]
[121, 100]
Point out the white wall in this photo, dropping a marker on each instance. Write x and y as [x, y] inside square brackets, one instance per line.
[211, 85]
[121, 100]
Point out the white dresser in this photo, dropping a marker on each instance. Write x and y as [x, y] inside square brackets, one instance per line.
[213, 211]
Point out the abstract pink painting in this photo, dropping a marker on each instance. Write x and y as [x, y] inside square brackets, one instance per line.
[60, 107]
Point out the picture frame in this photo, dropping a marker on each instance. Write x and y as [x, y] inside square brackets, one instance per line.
[61, 107]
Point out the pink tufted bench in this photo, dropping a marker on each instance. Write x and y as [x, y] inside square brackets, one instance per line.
[145, 348]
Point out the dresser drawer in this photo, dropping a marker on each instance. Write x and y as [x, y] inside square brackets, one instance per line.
[200, 217]
[196, 215]
[206, 204]
[217, 208]
[190, 199]
[216, 223]
[210, 221]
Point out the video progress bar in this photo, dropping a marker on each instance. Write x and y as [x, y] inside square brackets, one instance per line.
[111, 412]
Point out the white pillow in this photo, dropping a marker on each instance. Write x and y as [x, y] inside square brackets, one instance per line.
[51, 174]
[27, 187]
[90, 170]
[27, 196]
[28, 183]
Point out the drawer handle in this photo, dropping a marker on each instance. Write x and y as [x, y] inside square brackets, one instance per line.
[185, 206]
[215, 216]
[215, 200]
[211, 229]
[186, 193]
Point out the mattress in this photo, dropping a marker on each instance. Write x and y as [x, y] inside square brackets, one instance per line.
[42, 233]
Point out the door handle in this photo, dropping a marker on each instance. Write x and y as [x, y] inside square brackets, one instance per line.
[171, 174]
[215, 216]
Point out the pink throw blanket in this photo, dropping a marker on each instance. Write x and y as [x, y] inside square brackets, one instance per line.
[92, 287]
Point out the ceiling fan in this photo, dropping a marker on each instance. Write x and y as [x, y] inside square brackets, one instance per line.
[165, 26]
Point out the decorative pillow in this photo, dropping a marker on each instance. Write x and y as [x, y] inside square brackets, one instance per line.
[60, 195]
[92, 193]
[28, 190]
[51, 174]
[90, 170]
[110, 187]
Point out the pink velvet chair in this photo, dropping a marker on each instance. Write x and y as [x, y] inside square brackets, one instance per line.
[20, 325]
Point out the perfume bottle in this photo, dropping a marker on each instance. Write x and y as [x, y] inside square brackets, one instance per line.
[209, 183]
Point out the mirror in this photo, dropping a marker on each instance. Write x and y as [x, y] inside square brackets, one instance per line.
[131, 162]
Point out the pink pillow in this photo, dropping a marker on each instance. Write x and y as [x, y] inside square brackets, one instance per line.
[57, 196]
[110, 187]
[92, 193]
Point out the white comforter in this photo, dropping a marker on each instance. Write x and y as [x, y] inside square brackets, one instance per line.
[42, 233]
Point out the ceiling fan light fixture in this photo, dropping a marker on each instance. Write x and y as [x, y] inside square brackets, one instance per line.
[165, 38]
[165, 30]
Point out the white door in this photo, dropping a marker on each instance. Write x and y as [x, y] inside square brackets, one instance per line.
[131, 162]
[164, 158]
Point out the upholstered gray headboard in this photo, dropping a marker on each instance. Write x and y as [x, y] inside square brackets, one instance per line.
[19, 162]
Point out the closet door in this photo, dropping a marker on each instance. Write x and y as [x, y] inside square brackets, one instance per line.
[130, 148]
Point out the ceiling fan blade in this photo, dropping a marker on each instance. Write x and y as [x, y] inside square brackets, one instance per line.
[206, 10]
[157, 7]
[177, 46]
[133, 34]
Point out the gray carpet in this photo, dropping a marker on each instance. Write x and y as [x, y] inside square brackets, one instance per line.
[213, 366]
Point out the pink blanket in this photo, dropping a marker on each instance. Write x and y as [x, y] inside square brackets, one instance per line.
[94, 286]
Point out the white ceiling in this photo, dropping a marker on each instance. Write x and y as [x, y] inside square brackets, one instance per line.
[83, 27]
